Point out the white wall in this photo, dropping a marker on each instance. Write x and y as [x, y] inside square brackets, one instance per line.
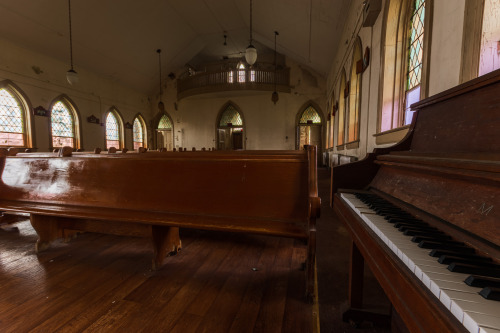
[445, 57]
[268, 126]
[94, 95]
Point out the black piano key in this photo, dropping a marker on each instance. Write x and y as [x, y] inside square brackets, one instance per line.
[437, 245]
[413, 220]
[398, 216]
[403, 228]
[428, 244]
[434, 234]
[493, 271]
[457, 253]
[436, 238]
[482, 281]
[480, 261]
[490, 293]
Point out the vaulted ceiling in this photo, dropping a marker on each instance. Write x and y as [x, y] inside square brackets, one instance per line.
[118, 39]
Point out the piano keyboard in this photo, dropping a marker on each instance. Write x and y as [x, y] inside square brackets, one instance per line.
[477, 314]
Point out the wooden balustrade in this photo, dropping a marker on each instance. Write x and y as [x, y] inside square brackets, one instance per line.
[227, 80]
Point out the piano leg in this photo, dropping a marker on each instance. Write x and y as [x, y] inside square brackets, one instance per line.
[166, 241]
[356, 315]
[356, 273]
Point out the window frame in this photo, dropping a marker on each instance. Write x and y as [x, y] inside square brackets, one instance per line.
[70, 106]
[121, 131]
[144, 130]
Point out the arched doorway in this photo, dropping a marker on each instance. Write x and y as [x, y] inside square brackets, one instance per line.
[165, 133]
[309, 128]
[230, 133]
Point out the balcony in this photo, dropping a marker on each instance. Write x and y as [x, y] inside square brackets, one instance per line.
[233, 80]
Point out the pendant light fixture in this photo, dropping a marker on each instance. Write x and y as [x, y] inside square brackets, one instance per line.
[71, 75]
[274, 96]
[251, 51]
[161, 106]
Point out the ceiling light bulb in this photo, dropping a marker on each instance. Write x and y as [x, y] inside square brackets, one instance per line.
[72, 77]
[251, 55]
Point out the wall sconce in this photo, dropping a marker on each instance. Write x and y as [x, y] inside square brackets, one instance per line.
[93, 119]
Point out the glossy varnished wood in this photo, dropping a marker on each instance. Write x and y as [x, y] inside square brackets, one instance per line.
[263, 192]
[220, 282]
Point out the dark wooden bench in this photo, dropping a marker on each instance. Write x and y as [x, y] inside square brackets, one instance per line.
[154, 194]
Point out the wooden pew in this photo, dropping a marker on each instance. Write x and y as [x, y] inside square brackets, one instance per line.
[153, 194]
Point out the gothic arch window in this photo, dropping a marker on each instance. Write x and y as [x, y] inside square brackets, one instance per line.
[332, 120]
[64, 124]
[309, 127]
[230, 128]
[241, 73]
[405, 55]
[165, 133]
[15, 120]
[354, 95]
[139, 132]
[114, 130]
[341, 112]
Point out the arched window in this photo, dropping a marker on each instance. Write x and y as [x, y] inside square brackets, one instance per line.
[341, 112]
[354, 96]
[165, 133]
[241, 73]
[15, 121]
[139, 132]
[64, 125]
[230, 129]
[309, 127]
[405, 56]
[114, 130]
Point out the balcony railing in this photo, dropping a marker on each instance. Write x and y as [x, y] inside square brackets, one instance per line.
[229, 80]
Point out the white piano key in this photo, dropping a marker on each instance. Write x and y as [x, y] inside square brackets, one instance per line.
[488, 308]
[488, 330]
[474, 321]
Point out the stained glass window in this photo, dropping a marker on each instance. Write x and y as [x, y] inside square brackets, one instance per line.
[138, 134]
[164, 123]
[230, 116]
[310, 116]
[416, 43]
[415, 59]
[112, 131]
[62, 124]
[11, 120]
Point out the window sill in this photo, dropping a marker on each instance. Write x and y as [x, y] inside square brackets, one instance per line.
[352, 145]
[341, 147]
[391, 136]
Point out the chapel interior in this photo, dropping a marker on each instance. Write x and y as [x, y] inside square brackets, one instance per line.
[218, 84]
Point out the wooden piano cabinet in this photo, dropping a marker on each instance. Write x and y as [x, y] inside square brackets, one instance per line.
[446, 172]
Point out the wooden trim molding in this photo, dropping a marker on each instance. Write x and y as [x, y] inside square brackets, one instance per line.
[391, 136]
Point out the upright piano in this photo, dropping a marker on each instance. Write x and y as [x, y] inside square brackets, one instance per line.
[424, 215]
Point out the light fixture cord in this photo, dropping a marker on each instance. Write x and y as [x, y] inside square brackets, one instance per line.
[275, 64]
[159, 61]
[70, 36]
[250, 22]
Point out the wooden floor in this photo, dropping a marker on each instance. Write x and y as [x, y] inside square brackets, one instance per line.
[219, 282]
